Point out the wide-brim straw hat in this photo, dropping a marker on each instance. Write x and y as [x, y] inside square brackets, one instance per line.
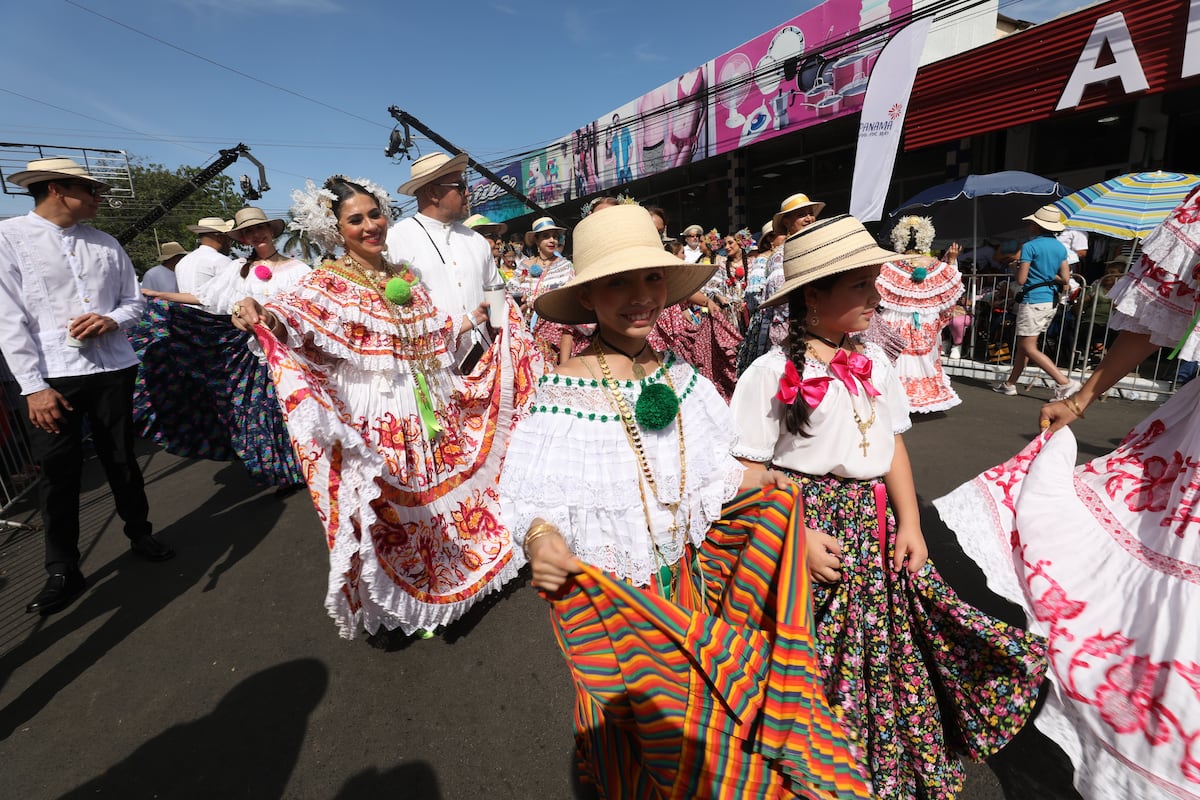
[1048, 218]
[541, 225]
[767, 229]
[827, 247]
[622, 239]
[480, 223]
[250, 216]
[795, 202]
[429, 168]
[169, 251]
[52, 169]
[691, 229]
[211, 225]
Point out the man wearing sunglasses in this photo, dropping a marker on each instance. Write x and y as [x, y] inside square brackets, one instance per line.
[67, 294]
[453, 261]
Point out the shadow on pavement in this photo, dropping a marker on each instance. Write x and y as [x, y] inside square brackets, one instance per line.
[413, 781]
[127, 592]
[247, 747]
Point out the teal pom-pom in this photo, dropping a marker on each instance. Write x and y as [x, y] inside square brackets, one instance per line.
[656, 407]
[919, 274]
[398, 291]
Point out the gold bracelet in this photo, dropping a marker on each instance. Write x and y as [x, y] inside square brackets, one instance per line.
[1073, 404]
[538, 533]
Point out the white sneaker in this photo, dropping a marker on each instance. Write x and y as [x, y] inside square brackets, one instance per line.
[1005, 388]
[956, 351]
[1064, 390]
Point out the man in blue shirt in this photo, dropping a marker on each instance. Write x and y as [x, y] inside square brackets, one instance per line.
[1043, 264]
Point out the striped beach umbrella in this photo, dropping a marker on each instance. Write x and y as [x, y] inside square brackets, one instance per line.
[1127, 206]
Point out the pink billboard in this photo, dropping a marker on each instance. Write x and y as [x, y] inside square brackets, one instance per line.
[810, 69]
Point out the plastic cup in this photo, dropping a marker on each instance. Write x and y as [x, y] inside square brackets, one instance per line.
[495, 297]
[71, 341]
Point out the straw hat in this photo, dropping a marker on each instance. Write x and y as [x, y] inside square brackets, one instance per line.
[622, 239]
[52, 169]
[690, 230]
[541, 225]
[1048, 218]
[427, 169]
[250, 216]
[171, 251]
[795, 202]
[483, 225]
[828, 247]
[211, 225]
[767, 229]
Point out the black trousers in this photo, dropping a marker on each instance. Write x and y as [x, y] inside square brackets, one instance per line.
[106, 400]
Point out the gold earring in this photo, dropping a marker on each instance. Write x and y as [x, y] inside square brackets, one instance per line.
[813, 320]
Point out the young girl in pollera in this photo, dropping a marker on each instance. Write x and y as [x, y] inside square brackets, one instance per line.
[893, 638]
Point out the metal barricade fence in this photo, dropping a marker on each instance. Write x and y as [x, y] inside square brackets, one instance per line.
[18, 470]
[1075, 340]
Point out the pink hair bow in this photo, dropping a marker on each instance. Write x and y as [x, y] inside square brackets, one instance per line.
[791, 384]
[848, 366]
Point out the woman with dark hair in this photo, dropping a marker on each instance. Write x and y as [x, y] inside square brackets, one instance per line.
[401, 445]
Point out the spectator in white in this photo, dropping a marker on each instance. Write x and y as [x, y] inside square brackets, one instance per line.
[210, 257]
[161, 277]
[453, 261]
[1076, 242]
[67, 295]
[692, 252]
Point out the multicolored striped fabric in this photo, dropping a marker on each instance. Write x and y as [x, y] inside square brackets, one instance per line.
[721, 700]
[1127, 206]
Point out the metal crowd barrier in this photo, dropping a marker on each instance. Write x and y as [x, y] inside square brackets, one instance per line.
[1075, 340]
[18, 470]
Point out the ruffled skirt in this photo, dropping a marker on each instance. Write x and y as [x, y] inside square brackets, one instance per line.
[1105, 560]
[201, 393]
[716, 696]
[892, 645]
[707, 342]
[919, 364]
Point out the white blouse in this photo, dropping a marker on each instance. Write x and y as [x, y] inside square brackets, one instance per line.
[834, 445]
[570, 463]
[219, 294]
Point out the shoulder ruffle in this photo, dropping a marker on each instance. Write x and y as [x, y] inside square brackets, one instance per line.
[898, 291]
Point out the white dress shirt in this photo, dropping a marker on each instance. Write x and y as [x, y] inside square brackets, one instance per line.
[160, 279]
[1074, 240]
[692, 255]
[199, 267]
[453, 261]
[50, 275]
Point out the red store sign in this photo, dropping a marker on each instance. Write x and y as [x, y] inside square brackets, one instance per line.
[1096, 57]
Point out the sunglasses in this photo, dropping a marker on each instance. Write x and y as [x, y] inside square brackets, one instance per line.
[95, 190]
[461, 186]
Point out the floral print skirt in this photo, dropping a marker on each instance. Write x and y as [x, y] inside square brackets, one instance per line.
[920, 677]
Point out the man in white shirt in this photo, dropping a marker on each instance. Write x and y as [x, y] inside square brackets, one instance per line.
[161, 278]
[210, 257]
[692, 252]
[67, 295]
[453, 261]
[1076, 242]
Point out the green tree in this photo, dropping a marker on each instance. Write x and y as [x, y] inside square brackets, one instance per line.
[297, 243]
[152, 183]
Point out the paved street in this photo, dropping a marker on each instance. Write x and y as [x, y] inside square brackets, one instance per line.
[219, 675]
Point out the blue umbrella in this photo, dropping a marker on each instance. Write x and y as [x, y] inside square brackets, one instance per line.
[983, 205]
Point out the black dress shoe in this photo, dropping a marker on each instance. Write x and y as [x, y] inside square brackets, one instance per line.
[151, 548]
[60, 591]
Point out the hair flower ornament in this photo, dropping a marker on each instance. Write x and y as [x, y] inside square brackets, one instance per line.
[263, 272]
[312, 211]
[913, 233]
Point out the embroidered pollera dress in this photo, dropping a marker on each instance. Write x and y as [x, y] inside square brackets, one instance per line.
[1105, 557]
[919, 677]
[200, 391]
[410, 510]
[916, 295]
[710, 690]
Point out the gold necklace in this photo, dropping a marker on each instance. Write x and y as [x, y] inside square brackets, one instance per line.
[863, 427]
[667, 573]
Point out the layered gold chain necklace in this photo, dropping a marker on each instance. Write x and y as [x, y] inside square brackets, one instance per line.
[862, 426]
[667, 573]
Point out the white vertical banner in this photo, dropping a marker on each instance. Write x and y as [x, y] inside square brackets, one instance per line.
[882, 119]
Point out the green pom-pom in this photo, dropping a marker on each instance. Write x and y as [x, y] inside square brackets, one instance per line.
[919, 274]
[656, 407]
[399, 291]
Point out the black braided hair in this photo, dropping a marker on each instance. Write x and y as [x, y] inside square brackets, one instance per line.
[795, 416]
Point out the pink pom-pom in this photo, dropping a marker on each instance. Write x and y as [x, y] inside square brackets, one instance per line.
[262, 272]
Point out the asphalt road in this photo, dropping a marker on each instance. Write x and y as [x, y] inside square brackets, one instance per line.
[219, 675]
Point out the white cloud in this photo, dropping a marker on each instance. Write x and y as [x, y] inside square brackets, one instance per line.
[256, 6]
[505, 9]
[646, 53]
[576, 25]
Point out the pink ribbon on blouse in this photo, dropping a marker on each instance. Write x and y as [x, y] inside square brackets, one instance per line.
[844, 366]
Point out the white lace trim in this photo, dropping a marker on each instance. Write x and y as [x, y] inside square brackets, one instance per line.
[581, 475]
[1137, 305]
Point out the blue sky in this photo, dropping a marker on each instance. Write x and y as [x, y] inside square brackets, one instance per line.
[492, 77]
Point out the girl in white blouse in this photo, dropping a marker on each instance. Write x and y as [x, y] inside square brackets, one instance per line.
[829, 413]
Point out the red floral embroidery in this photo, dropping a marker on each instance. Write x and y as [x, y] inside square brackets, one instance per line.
[1129, 699]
